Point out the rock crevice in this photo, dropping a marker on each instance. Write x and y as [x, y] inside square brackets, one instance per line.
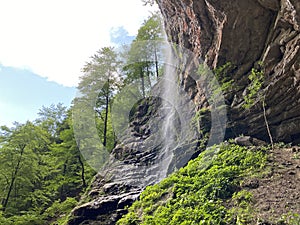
[245, 33]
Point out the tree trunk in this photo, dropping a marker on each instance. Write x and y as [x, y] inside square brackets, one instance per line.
[82, 171]
[156, 63]
[13, 179]
[148, 76]
[142, 81]
[106, 115]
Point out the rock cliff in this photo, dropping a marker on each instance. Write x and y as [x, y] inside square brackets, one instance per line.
[140, 159]
[253, 35]
[249, 34]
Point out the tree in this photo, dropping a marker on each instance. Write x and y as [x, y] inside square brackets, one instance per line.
[100, 83]
[152, 32]
[142, 58]
[38, 170]
[71, 174]
[52, 117]
[20, 162]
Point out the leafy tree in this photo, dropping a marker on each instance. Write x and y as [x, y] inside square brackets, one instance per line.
[142, 57]
[71, 173]
[40, 167]
[52, 117]
[42, 170]
[100, 82]
[152, 32]
[21, 159]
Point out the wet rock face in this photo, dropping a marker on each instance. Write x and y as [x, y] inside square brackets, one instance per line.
[136, 162]
[245, 32]
[121, 181]
[242, 32]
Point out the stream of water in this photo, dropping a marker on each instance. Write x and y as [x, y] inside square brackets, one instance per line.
[170, 105]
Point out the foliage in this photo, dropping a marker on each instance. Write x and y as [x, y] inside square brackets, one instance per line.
[241, 212]
[196, 194]
[40, 169]
[218, 81]
[290, 218]
[222, 74]
[42, 172]
[142, 57]
[201, 121]
[50, 118]
[256, 78]
[61, 209]
[99, 84]
[21, 159]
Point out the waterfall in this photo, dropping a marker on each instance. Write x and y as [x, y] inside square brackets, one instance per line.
[170, 97]
[155, 132]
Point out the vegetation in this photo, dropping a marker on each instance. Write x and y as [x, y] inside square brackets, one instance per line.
[42, 172]
[222, 75]
[218, 81]
[41, 168]
[256, 80]
[198, 193]
[142, 57]
[99, 83]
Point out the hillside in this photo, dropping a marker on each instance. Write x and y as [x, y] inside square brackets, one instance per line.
[240, 185]
[251, 50]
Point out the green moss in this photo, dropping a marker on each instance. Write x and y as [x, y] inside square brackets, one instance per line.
[197, 193]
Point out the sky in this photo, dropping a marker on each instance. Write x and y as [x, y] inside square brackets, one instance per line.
[45, 43]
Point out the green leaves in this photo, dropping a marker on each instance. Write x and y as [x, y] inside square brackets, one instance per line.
[40, 165]
[98, 86]
[142, 57]
[20, 162]
[256, 80]
[196, 194]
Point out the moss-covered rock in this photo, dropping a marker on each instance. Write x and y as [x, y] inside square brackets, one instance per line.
[200, 192]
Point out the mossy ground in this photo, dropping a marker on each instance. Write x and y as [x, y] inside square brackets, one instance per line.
[210, 190]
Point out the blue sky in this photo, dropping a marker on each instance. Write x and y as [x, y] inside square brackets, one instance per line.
[119, 35]
[23, 93]
[44, 45]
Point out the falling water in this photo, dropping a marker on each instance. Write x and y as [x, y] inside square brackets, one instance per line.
[170, 145]
[170, 101]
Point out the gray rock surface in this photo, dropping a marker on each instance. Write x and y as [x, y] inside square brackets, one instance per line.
[244, 33]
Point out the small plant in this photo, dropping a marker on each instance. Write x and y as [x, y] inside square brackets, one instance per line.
[242, 212]
[60, 210]
[242, 197]
[199, 118]
[290, 219]
[222, 74]
[296, 155]
[256, 78]
[195, 194]
[222, 82]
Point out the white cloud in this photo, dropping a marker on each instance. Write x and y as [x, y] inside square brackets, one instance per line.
[54, 38]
